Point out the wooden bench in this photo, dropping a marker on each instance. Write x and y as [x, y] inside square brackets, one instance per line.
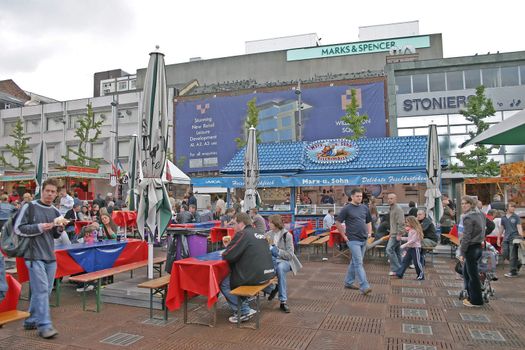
[429, 250]
[322, 241]
[454, 243]
[11, 316]
[307, 242]
[158, 286]
[99, 275]
[248, 292]
[378, 246]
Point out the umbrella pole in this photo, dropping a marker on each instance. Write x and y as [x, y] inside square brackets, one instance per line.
[150, 256]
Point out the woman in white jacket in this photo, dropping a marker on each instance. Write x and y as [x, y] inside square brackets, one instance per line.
[282, 248]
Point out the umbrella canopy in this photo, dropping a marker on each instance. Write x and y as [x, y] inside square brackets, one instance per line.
[174, 175]
[511, 131]
[433, 194]
[154, 211]
[40, 170]
[251, 170]
[133, 175]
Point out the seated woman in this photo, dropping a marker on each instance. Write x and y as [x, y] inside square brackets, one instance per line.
[109, 228]
[84, 214]
[282, 249]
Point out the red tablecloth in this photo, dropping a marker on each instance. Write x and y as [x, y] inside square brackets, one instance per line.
[80, 224]
[197, 278]
[13, 293]
[135, 250]
[335, 238]
[182, 225]
[124, 218]
[216, 233]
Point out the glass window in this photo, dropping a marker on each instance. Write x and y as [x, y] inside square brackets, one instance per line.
[123, 148]
[70, 153]
[405, 132]
[420, 131]
[458, 129]
[442, 130]
[455, 143]
[515, 149]
[98, 150]
[511, 158]
[50, 154]
[455, 80]
[509, 76]
[8, 128]
[269, 124]
[285, 135]
[268, 136]
[419, 82]
[472, 79]
[403, 85]
[422, 121]
[507, 114]
[54, 123]
[496, 118]
[436, 81]
[33, 126]
[490, 77]
[522, 74]
[455, 119]
[286, 121]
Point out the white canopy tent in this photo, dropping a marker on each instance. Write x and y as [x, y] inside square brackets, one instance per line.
[172, 174]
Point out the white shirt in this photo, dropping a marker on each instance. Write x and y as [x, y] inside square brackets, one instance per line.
[328, 221]
[66, 203]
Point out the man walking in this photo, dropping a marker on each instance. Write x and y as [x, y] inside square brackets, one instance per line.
[512, 233]
[250, 263]
[358, 222]
[37, 222]
[397, 223]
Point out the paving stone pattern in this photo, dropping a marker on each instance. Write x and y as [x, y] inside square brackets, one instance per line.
[399, 314]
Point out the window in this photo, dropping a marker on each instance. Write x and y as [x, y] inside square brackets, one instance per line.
[122, 85]
[456, 119]
[54, 123]
[490, 77]
[437, 81]
[403, 85]
[8, 128]
[33, 126]
[98, 150]
[472, 79]
[133, 84]
[285, 135]
[422, 121]
[420, 131]
[7, 105]
[71, 154]
[455, 80]
[269, 123]
[405, 132]
[509, 76]
[420, 83]
[458, 129]
[50, 153]
[123, 149]
[522, 75]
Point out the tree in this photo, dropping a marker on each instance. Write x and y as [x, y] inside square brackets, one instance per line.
[477, 161]
[353, 120]
[88, 132]
[252, 119]
[19, 149]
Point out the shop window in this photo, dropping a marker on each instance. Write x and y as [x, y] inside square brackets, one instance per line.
[458, 129]
[472, 78]
[436, 82]
[442, 130]
[490, 77]
[455, 119]
[420, 131]
[509, 76]
[405, 132]
[455, 144]
[420, 83]
[403, 85]
[511, 158]
[455, 80]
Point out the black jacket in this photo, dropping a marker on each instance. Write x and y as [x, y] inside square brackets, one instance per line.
[250, 259]
[473, 229]
[429, 230]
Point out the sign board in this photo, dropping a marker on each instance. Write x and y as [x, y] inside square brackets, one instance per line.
[331, 151]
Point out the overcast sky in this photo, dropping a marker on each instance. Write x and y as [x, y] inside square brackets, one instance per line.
[53, 47]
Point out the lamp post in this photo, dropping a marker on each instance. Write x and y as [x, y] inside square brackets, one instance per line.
[298, 92]
[115, 118]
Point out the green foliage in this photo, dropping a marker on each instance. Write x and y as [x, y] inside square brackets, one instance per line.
[180, 161]
[352, 118]
[18, 149]
[88, 132]
[477, 161]
[252, 119]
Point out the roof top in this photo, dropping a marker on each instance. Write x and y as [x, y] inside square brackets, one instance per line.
[374, 154]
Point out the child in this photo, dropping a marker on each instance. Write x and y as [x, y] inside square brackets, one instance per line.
[413, 254]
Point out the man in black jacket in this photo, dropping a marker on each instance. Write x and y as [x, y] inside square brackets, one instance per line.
[250, 263]
[429, 230]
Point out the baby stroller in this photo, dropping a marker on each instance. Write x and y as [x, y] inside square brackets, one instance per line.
[487, 272]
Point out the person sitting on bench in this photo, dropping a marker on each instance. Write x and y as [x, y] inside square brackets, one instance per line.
[250, 263]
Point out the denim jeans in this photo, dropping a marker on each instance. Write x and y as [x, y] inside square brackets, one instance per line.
[282, 268]
[394, 253]
[357, 248]
[471, 274]
[511, 252]
[41, 278]
[232, 299]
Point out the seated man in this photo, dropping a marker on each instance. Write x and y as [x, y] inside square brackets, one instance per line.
[429, 230]
[250, 263]
[72, 216]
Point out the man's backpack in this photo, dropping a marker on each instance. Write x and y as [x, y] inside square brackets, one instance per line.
[12, 244]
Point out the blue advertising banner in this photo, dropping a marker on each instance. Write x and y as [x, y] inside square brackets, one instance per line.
[206, 128]
[315, 180]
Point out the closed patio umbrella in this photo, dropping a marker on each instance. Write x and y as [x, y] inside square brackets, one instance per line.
[433, 194]
[251, 170]
[40, 170]
[132, 205]
[154, 212]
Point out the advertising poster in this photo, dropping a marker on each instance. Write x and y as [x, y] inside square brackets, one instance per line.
[205, 129]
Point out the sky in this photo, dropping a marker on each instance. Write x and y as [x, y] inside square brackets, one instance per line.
[53, 47]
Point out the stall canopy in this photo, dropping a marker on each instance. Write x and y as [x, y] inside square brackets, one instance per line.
[174, 175]
[388, 160]
[511, 131]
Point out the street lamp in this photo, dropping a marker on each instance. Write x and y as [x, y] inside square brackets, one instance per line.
[298, 92]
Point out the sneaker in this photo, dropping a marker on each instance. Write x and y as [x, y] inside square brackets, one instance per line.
[351, 286]
[392, 273]
[244, 318]
[367, 291]
[511, 275]
[273, 293]
[284, 307]
[29, 326]
[411, 266]
[467, 303]
[48, 333]
[88, 288]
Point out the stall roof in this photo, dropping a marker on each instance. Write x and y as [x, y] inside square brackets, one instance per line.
[374, 154]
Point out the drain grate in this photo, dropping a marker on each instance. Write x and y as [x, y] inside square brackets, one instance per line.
[413, 291]
[411, 300]
[516, 320]
[158, 321]
[474, 318]
[423, 314]
[353, 324]
[15, 342]
[417, 313]
[416, 344]
[485, 334]
[378, 279]
[456, 303]
[280, 337]
[326, 285]
[448, 283]
[122, 339]
[360, 298]
[312, 305]
[416, 329]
